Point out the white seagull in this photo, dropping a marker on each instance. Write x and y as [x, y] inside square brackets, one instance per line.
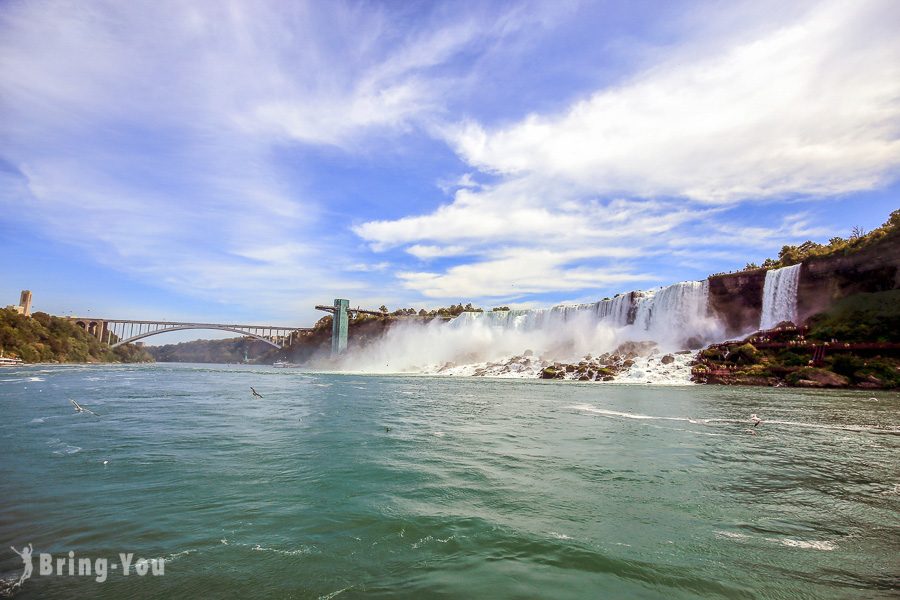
[80, 409]
[755, 420]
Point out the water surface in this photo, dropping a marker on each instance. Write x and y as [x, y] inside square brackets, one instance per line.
[365, 486]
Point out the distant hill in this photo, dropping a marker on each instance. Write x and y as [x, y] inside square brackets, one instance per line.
[231, 350]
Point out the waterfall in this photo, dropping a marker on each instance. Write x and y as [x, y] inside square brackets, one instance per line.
[675, 317]
[668, 316]
[679, 307]
[780, 297]
[617, 310]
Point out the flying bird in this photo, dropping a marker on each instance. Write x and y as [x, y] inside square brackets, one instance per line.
[755, 420]
[80, 409]
[255, 393]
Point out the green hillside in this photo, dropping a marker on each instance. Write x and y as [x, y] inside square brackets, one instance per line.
[45, 338]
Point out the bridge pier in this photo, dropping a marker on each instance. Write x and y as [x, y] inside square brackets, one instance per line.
[339, 327]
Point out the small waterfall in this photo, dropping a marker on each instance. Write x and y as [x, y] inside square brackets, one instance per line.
[780, 297]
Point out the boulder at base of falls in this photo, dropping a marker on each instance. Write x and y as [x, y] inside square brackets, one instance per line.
[817, 378]
[693, 343]
[667, 359]
[636, 348]
[552, 373]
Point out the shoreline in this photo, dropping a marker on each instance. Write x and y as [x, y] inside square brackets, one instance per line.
[735, 380]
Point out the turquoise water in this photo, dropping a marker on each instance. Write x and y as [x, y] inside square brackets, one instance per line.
[353, 486]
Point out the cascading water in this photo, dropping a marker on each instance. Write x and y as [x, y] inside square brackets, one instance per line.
[780, 297]
[675, 317]
[677, 311]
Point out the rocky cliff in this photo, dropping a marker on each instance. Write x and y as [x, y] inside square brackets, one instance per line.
[736, 298]
[826, 279]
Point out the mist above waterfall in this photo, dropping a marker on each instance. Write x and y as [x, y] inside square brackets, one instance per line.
[674, 317]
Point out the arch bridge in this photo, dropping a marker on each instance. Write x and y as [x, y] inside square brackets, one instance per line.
[116, 332]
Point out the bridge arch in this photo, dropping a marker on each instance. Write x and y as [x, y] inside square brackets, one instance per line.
[140, 336]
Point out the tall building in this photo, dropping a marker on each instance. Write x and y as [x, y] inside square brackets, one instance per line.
[25, 303]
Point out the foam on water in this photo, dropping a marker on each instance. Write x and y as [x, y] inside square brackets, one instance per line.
[293, 552]
[808, 545]
[335, 593]
[823, 545]
[175, 555]
[708, 421]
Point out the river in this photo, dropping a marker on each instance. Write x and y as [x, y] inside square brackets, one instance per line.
[351, 486]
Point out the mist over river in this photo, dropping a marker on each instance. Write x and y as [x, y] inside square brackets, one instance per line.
[351, 486]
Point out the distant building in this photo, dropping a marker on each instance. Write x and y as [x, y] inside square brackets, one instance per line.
[25, 302]
[24, 307]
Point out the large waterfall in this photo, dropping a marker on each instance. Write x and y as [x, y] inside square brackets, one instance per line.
[669, 315]
[780, 297]
[675, 317]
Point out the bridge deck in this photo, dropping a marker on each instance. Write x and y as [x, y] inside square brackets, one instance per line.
[188, 323]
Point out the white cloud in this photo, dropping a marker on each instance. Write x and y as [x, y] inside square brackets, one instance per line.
[365, 267]
[514, 272]
[147, 134]
[528, 210]
[426, 252]
[810, 107]
[153, 136]
[805, 108]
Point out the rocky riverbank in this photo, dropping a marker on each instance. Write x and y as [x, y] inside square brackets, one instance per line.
[792, 356]
[630, 362]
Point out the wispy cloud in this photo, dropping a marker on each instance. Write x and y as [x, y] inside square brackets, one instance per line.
[806, 108]
[519, 271]
[153, 136]
[810, 107]
[222, 150]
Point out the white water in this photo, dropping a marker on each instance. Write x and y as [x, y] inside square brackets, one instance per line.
[675, 317]
[780, 297]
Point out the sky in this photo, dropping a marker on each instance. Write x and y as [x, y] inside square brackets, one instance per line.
[244, 161]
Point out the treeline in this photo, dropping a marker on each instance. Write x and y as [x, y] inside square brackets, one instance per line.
[859, 239]
[45, 338]
[231, 350]
[454, 310]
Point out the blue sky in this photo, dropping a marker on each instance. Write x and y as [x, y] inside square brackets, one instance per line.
[244, 161]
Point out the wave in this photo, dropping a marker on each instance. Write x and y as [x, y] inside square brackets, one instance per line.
[67, 449]
[294, 552]
[746, 421]
[429, 538]
[37, 420]
[175, 556]
[823, 545]
[335, 593]
[810, 545]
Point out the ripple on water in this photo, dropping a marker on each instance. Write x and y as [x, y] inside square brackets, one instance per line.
[536, 489]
